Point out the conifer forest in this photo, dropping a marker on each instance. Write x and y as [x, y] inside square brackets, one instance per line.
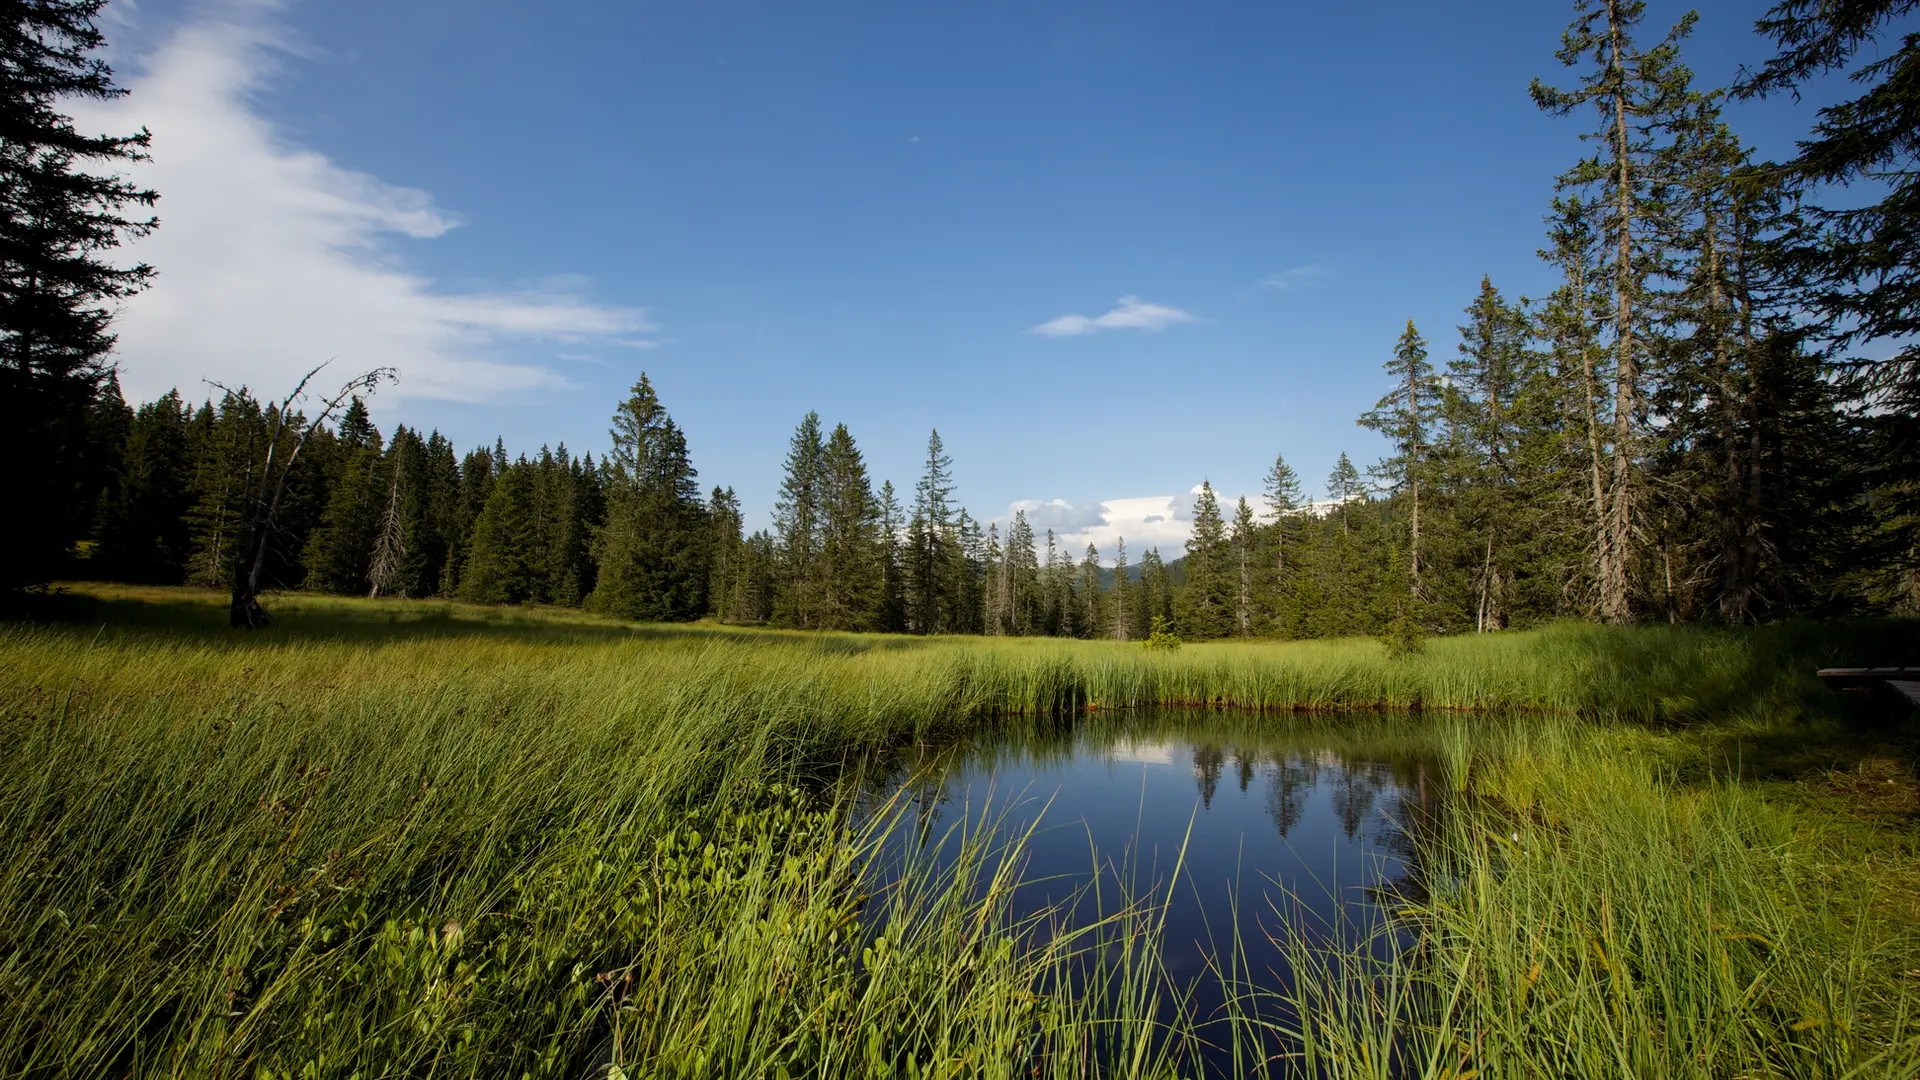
[1711, 419]
[1576, 736]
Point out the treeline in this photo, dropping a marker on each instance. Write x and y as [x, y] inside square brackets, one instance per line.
[1683, 429]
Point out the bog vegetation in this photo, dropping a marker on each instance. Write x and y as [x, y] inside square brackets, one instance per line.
[406, 838]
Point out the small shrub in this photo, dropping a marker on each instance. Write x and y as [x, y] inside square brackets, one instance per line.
[1163, 636]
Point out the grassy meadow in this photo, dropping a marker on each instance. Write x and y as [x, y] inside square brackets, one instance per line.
[400, 838]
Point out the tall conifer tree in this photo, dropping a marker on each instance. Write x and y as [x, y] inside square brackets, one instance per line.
[65, 207]
[1406, 416]
[1636, 92]
[651, 551]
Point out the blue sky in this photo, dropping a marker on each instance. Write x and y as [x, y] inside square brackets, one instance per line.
[1107, 249]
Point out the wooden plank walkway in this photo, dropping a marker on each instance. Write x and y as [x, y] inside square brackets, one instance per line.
[1903, 680]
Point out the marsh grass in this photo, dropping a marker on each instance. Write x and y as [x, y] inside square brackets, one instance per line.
[398, 838]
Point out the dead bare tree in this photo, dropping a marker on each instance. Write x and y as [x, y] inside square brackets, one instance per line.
[257, 531]
[390, 548]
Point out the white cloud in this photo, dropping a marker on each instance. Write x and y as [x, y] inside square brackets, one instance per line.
[1296, 278]
[1144, 521]
[273, 258]
[1058, 514]
[1130, 313]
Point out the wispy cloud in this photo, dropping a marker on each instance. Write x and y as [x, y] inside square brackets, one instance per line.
[1296, 278]
[273, 257]
[1130, 313]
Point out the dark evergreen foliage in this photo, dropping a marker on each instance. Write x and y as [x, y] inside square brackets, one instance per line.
[1684, 428]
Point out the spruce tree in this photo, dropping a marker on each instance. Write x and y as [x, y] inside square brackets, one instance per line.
[103, 455]
[1155, 606]
[222, 443]
[1024, 597]
[850, 570]
[477, 472]
[1405, 415]
[1208, 597]
[341, 550]
[801, 598]
[1245, 540]
[505, 555]
[999, 619]
[1124, 610]
[891, 605]
[725, 555]
[1858, 264]
[1482, 460]
[1057, 587]
[435, 515]
[651, 551]
[932, 545]
[1090, 619]
[1636, 92]
[1287, 520]
[65, 207]
[1343, 487]
[143, 533]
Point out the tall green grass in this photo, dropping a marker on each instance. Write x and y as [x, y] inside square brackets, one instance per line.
[405, 839]
[1612, 924]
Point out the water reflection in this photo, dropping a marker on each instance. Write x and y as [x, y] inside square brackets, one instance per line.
[1243, 830]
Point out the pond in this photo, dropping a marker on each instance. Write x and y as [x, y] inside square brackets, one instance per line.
[1238, 831]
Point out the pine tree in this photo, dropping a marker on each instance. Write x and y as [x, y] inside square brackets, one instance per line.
[64, 207]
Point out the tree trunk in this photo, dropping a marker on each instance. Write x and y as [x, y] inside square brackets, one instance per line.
[1614, 603]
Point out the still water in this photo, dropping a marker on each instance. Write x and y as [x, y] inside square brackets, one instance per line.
[1241, 831]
